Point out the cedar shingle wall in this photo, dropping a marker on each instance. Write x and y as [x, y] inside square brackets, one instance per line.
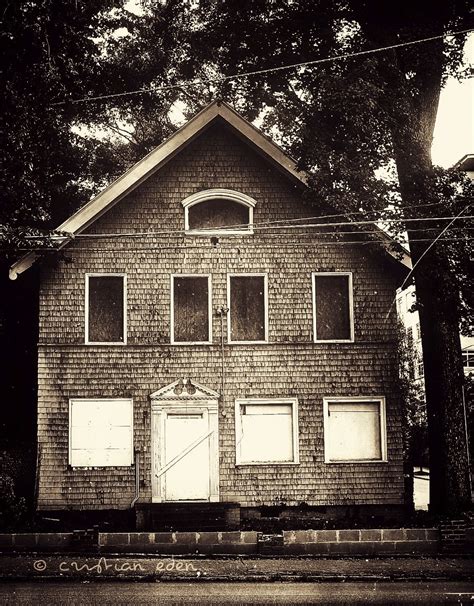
[290, 365]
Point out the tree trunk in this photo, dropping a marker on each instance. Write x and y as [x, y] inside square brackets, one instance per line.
[437, 294]
[438, 306]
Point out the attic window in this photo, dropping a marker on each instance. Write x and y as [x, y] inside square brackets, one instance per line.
[218, 211]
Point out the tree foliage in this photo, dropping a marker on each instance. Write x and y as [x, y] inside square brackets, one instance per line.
[51, 52]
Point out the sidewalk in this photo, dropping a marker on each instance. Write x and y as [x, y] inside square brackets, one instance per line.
[144, 568]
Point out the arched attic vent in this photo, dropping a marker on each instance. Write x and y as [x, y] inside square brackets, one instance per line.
[218, 212]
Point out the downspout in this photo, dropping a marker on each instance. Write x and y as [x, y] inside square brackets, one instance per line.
[222, 312]
[136, 460]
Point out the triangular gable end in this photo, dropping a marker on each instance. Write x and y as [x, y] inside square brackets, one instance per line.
[157, 158]
[184, 389]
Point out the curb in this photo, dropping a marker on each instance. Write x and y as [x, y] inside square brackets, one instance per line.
[328, 543]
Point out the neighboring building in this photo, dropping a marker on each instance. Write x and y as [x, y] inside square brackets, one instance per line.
[467, 348]
[196, 347]
[409, 317]
[467, 343]
[466, 163]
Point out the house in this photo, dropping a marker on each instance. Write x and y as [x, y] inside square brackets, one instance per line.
[203, 340]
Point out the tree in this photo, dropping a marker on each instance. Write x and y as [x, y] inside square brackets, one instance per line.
[51, 51]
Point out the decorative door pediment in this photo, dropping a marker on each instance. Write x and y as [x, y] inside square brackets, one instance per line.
[184, 389]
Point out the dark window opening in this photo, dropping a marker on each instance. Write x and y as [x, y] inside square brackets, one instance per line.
[106, 313]
[247, 308]
[218, 214]
[190, 309]
[333, 318]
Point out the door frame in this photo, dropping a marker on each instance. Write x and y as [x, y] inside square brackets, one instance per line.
[160, 408]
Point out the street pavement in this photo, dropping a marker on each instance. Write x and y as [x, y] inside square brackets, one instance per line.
[126, 593]
[135, 567]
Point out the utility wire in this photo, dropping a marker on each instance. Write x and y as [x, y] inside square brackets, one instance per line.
[438, 237]
[258, 72]
[254, 226]
[325, 233]
[313, 218]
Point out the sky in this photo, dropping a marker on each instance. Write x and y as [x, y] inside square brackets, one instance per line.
[454, 131]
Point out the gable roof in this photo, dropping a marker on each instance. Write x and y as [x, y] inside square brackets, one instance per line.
[130, 180]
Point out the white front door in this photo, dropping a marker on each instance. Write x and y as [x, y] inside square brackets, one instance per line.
[184, 443]
[187, 452]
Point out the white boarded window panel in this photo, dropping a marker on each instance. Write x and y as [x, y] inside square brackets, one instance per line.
[354, 431]
[101, 433]
[266, 433]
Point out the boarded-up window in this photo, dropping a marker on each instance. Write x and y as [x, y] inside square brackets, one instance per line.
[218, 214]
[105, 321]
[332, 302]
[191, 309]
[353, 431]
[266, 432]
[247, 308]
[100, 433]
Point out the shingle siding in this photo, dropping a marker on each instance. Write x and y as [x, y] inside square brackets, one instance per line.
[290, 365]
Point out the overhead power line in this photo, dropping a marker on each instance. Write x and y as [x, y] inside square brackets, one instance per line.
[428, 248]
[344, 214]
[255, 226]
[258, 72]
[453, 219]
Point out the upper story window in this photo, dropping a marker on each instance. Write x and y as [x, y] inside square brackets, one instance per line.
[106, 309]
[191, 309]
[247, 296]
[332, 307]
[218, 211]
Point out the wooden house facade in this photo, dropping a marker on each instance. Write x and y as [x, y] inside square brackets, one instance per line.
[200, 342]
